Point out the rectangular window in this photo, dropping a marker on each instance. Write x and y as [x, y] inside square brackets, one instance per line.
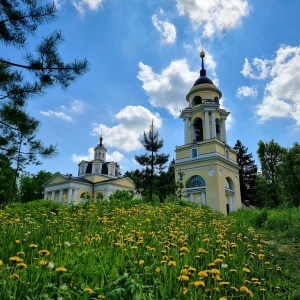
[194, 152]
[227, 154]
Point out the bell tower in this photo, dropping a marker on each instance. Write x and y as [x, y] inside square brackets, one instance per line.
[211, 173]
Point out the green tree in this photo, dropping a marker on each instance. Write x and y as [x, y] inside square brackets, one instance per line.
[271, 156]
[29, 77]
[31, 186]
[152, 160]
[6, 180]
[180, 184]
[290, 174]
[247, 172]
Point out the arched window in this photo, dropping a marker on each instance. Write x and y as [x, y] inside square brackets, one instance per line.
[197, 100]
[216, 99]
[84, 197]
[229, 185]
[195, 181]
[198, 130]
[99, 196]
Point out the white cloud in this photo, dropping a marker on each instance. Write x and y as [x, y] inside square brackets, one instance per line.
[166, 29]
[57, 114]
[81, 5]
[64, 113]
[246, 91]
[215, 16]
[282, 93]
[261, 68]
[59, 3]
[132, 122]
[169, 88]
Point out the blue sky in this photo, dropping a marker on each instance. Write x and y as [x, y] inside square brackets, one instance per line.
[144, 58]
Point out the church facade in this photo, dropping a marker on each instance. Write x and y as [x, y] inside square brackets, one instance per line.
[96, 180]
[208, 164]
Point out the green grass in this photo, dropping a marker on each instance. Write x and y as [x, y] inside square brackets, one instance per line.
[132, 250]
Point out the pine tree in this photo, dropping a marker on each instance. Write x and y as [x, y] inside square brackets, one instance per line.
[152, 160]
[23, 80]
[247, 172]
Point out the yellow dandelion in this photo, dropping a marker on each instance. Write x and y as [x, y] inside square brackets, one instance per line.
[141, 262]
[223, 298]
[44, 252]
[133, 247]
[224, 283]
[183, 278]
[1, 263]
[157, 270]
[61, 269]
[172, 263]
[18, 241]
[101, 296]
[184, 249]
[88, 290]
[43, 262]
[16, 259]
[15, 276]
[246, 270]
[33, 246]
[203, 274]
[184, 271]
[184, 290]
[22, 265]
[20, 253]
[215, 271]
[218, 260]
[199, 283]
[234, 288]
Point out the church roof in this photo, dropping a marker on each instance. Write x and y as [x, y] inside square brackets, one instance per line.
[203, 78]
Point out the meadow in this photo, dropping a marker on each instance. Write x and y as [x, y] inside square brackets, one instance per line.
[133, 250]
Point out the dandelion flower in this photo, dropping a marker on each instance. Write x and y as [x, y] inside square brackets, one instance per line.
[246, 270]
[203, 274]
[215, 271]
[223, 298]
[16, 259]
[33, 246]
[101, 296]
[172, 263]
[15, 276]
[44, 252]
[1, 263]
[157, 270]
[61, 269]
[141, 262]
[22, 265]
[88, 290]
[199, 283]
[17, 241]
[183, 278]
[43, 262]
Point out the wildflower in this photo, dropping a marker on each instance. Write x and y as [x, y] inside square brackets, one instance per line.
[218, 260]
[246, 270]
[172, 263]
[223, 298]
[203, 274]
[17, 241]
[22, 265]
[101, 296]
[33, 246]
[215, 271]
[20, 253]
[133, 247]
[224, 266]
[88, 290]
[60, 269]
[233, 270]
[183, 278]
[141, 262]
[58, 245]
[157, 270]
[224, 283]
[15, 276]
[16, 259]
[199, 283]
[184, 249]
[191, 269]
[44, 252]
[1, 263]
[184, 290]
[43, 262]
[184, 271]
[234, 288]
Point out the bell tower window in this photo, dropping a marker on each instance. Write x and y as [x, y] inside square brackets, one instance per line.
[197, 100]
[198, 130]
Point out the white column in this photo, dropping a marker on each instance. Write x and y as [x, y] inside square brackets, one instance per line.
[75, 195]
[224, 130]
[207, 135]
[191, 197]
[213, 124]
[60, 199]
[70, 195]
[186, 131]
[53, 196]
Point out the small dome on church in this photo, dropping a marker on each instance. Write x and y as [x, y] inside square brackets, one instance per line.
[203, 78]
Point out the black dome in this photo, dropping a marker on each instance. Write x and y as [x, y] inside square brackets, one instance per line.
[203, 79]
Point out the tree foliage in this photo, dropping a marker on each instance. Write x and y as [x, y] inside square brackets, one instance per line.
[28, 76]
[151, 160]
[271, 157]
[31, 186]
[247, 172]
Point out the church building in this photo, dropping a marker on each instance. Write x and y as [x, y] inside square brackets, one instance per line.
[96, 180]
[208, 164]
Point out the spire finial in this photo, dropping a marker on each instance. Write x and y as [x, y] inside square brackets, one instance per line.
[202, 55]
[101, 137]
